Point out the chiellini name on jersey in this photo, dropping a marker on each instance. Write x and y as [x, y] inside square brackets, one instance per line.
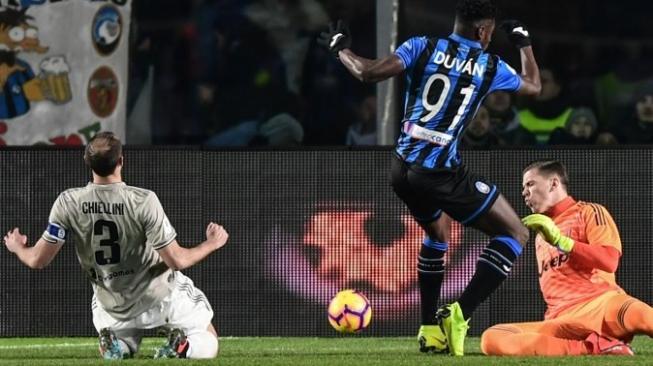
[103, 208]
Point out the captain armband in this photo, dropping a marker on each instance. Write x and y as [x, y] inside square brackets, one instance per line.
[55, 234]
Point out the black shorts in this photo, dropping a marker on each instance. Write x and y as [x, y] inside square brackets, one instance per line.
[463, 195]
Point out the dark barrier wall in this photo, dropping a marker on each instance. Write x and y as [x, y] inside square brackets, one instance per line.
[302, 225]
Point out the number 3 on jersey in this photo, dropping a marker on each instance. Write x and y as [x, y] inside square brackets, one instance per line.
[433, 109]
[111, 241]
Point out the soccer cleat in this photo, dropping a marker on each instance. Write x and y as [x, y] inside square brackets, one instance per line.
[453, 323]
[109, 347]
[431, 338]
[175, 347]
[599, 345]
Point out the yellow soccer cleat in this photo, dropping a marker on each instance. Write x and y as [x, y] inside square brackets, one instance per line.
[431, 338]
[450, 318]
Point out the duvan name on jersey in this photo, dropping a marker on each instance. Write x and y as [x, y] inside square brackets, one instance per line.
[460, 65]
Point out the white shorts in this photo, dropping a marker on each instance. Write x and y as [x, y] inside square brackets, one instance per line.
[186, 308]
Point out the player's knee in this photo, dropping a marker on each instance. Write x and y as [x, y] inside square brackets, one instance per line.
[495, 343]
[203, 345]
[488, 342]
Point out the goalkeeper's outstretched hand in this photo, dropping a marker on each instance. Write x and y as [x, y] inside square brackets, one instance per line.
[517, 33]
[337, 38]
[548, 229]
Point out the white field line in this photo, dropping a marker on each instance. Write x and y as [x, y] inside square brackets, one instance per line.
[60, 345]
[53, 345]
[146, 343]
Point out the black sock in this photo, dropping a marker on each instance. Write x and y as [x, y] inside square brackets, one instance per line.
[430, 273]
[492, 268]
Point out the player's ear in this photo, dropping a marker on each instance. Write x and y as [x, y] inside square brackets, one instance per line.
[483, 30]
[555, 183]
[480, 32]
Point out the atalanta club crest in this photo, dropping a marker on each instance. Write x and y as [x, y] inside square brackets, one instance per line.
[106, 30]
[103, 92]
[482, 187]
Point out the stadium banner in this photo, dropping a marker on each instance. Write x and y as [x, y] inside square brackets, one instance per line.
[63, 70]
[302, 226]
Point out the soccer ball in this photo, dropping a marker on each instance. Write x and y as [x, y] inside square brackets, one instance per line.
[350, 311]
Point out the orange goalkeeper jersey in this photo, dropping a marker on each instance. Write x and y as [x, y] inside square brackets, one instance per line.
[563, 281]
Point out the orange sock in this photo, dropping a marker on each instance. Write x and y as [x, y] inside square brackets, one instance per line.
[636, 317]
[509, 340]
[626, 316]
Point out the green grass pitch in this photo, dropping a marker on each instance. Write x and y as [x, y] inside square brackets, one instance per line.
[355, 351]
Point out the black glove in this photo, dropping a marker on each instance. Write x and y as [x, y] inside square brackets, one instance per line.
[337, 38]
[517, 33]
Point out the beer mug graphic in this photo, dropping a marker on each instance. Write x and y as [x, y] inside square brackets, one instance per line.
[54, 80]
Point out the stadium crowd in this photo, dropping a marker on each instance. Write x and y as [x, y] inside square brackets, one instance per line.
[249, 72]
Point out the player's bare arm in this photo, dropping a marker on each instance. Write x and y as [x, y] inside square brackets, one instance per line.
[338, 41]
[530, 76]
[371, 71]
[37, 256]
[178, 257]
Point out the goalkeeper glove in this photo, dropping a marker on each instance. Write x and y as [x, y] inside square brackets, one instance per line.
[517, 33]
[337, 38]
[548, 229]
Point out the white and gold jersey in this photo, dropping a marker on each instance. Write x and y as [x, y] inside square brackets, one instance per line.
[117, 230]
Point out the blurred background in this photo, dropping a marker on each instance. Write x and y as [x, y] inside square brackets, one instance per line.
[249, 72]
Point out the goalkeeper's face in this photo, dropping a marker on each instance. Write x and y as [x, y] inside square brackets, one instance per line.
[539, 191]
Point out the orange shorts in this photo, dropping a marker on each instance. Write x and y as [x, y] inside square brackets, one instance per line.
[603, 315]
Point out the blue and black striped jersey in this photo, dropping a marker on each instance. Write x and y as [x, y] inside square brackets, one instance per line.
[447, 80]
[13, 102]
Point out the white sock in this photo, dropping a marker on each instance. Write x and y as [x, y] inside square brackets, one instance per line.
[202, 345]
[124, 347]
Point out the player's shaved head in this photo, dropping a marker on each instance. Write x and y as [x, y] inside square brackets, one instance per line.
[103, 153]
[548, 168]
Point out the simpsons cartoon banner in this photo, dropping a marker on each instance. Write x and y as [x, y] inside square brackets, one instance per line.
[63, 70]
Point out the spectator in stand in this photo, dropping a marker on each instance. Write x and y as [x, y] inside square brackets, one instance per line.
[479, 134]
[504, 120]
[580, 129]
[606, 138]
[250, 77]
[290, 26]
[280, 130]
[363, 131]
[639, 128]
[625, 74]
[548, 111]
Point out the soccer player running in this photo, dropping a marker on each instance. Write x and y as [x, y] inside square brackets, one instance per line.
[447, 80]
[578, 249]
[127, 247]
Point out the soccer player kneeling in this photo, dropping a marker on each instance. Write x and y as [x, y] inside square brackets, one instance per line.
[578, 249]
[126, 245]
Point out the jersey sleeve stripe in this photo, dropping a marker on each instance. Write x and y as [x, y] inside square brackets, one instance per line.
[414, 90]
[598, 214]
[164, 244]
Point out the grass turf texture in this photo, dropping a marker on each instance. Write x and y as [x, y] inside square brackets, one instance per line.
[357, 351]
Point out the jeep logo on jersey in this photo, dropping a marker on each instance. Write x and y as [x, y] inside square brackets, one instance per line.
[482, 187]
[106, 30]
